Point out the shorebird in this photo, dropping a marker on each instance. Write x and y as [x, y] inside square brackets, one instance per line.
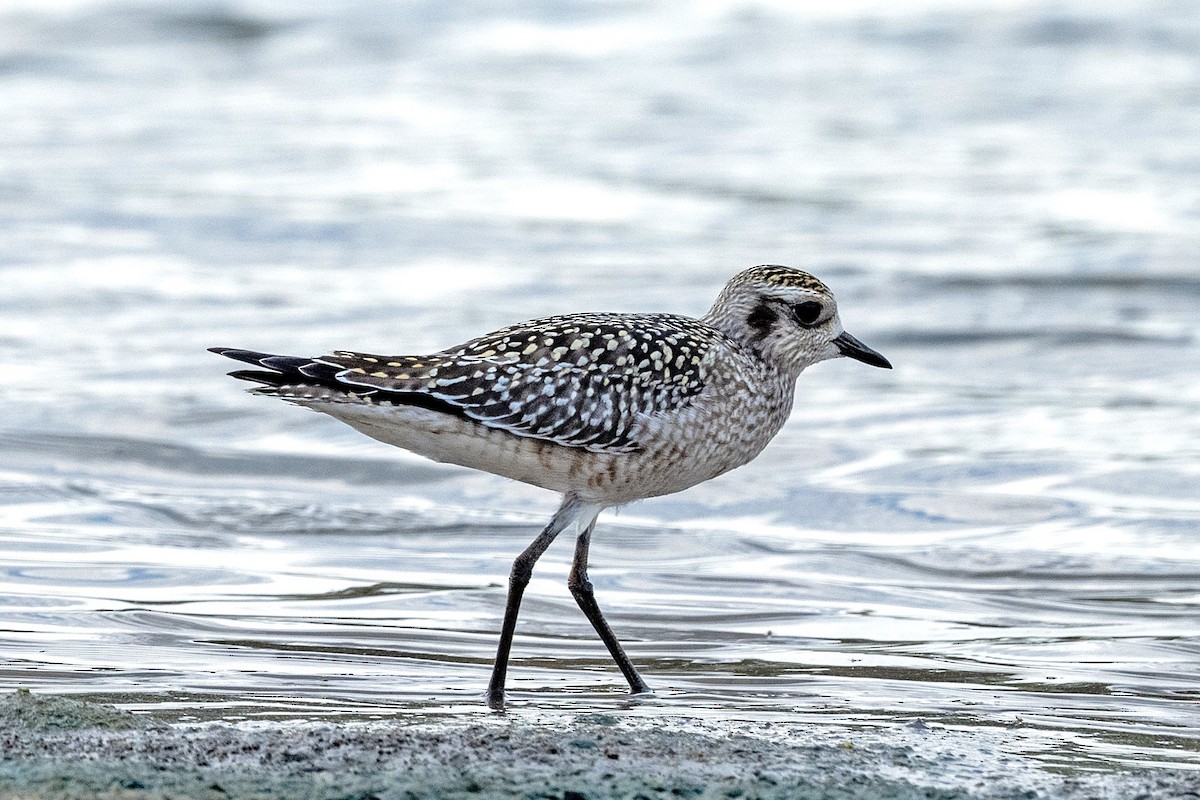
[603, 408]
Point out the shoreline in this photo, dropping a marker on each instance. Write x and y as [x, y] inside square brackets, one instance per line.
[64, 748]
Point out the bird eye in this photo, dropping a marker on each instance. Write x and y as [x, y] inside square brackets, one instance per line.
[807, 313]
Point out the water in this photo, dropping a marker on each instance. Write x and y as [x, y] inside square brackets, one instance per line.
[1001, 533]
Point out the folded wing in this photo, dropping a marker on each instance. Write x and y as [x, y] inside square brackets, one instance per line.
[583, 380]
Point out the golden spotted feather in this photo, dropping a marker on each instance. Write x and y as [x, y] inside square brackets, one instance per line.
[580, 380]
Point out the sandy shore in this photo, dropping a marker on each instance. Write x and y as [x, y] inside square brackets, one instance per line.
[56, 747]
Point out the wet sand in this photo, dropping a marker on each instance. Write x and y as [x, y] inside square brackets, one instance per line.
[57, 747]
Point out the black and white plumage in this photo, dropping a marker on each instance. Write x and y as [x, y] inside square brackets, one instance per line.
[604, 408]
[579, 380]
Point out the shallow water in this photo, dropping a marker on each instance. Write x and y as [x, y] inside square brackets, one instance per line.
[1000, 533]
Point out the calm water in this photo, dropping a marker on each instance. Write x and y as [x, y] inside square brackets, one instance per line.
[1002, 532]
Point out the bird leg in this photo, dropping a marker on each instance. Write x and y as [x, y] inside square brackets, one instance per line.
[581, 588]
[569, 513]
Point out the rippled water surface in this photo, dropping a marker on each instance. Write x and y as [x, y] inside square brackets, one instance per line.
[1002, 532]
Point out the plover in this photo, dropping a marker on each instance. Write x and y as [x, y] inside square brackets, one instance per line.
[604, 408]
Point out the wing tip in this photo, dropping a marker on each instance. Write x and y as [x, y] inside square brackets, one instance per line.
[245, 356]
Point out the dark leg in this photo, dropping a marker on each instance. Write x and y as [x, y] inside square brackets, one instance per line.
[581, 588]
[568, 513]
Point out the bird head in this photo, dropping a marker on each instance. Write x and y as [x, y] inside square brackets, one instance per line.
[788, 317]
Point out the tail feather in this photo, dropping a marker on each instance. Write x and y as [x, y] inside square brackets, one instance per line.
[291, 377]
[260, 376]
[310, 379]
[280, 370]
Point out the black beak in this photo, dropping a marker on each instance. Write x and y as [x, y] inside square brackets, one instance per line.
[849, 346]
